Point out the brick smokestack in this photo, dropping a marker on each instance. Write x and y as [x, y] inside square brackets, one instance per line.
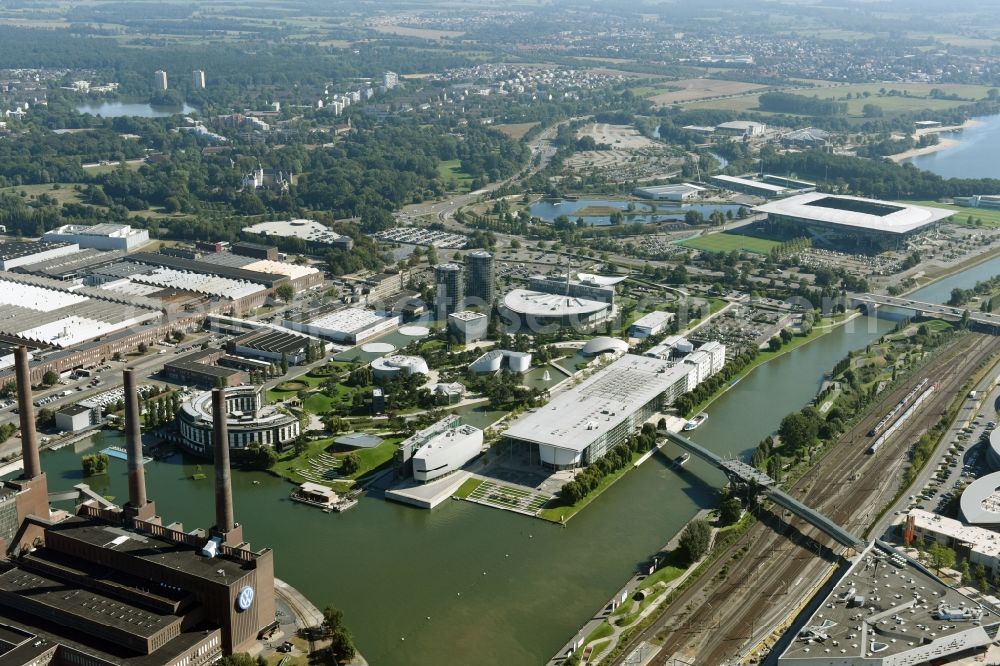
[133, 443]
[26, 413]
[224, 522]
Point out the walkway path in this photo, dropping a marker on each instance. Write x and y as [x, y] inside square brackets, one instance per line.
[604, 615]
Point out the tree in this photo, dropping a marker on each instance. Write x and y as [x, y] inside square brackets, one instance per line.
[284, 363]
[351, 464]
[774, 344]
[45, 418]
[285, 292]
[50, 378]
[730, 510]
[694, 541]
[94, 463]
[797, 430]
[942, 557]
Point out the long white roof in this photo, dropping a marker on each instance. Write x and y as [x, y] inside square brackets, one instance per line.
[907, 217]
[577, 417]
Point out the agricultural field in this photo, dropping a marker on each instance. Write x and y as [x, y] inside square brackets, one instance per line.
[726, 242]
[419, 33]
[515, 130]
[917, 97]
[689, 90]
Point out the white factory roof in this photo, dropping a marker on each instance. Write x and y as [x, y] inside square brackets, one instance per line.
[348, 320]
[126, 287]
[886, 216]
[580, 415]
[109, 230]
[293, 271]
[680, 188]
[198, 283]
[36, 298]
[540, 304]
[310, 230]
[746, 182]
[653, 319]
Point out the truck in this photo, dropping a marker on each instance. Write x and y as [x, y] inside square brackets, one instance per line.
[973, 394]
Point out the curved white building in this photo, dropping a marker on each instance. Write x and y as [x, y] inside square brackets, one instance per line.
[250, 421]
[397, 364]
[447, 452]
[532, 309]
[496, 359]
[602, 344]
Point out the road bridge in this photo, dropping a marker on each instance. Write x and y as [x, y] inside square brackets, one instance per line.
[741, 472]
[872, 302]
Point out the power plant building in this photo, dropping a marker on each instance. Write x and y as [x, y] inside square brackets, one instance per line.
[851, 223]
[115, 585]
[583, 423]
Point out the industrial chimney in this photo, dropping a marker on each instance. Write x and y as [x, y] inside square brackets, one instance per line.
[26, 413]
[138, 506]
[225, 525]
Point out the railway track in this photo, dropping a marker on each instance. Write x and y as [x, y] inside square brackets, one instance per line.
[745, 591]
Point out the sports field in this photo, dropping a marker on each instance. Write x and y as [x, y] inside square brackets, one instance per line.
[990, 218]
[725, 242]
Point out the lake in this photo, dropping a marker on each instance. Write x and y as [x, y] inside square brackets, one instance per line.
[974, 156]
[549, 210]
[121, 109]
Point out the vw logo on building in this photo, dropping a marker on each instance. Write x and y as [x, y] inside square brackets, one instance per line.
[245, 599]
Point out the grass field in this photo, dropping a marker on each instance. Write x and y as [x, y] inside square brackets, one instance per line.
[515, 130]
[689, 90]
[726, 242]
[64, 194]
[990, 218]
[451, 170]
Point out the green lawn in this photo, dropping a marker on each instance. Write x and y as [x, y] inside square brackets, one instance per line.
[371, 459]
[727, 242]
[467, 488]
[990, 218]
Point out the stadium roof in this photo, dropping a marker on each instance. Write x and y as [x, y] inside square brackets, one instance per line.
[539, 304]
[600, 280]
[580, 415]
[309, 230]
[868, 214]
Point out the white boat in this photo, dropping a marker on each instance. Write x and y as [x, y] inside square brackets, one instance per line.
[680, 460]
[696, 421]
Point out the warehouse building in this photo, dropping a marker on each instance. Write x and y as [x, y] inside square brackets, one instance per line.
[100, 236]
[21, 253]
[679, 192]
[314, 233]
[650, 324]
[272, 344]
[583, 423]
[849, 223]
[202, 368]
[350, 325]
[74, 418]
[889, 610]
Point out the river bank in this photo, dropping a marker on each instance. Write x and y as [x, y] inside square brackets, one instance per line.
[942, 144]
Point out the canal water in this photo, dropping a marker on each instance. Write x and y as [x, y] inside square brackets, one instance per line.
[465, 584]
[550, 210]
[120, 109]
[974, 156]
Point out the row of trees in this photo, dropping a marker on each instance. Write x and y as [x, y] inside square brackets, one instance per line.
[614, 460]
[685, 404]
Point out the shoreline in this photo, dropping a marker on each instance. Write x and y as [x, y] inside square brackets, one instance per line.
[943, 144]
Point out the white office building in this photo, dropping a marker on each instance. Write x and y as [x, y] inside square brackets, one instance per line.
[446, 452]
[469, 326]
